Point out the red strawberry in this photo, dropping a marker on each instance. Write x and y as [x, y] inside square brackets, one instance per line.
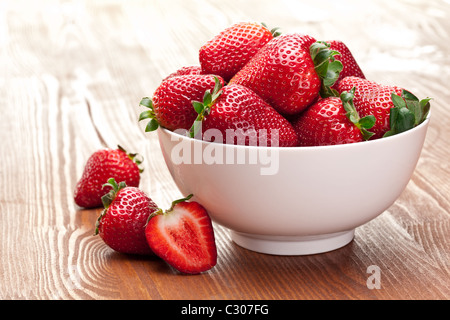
[394, 108]
[189, 70]
[171, 106]
[332, 120]
[238, 112]
[122, 223]
[289, 72]
[226, 53]
[183, 236]
[350, 66]
[102, 165]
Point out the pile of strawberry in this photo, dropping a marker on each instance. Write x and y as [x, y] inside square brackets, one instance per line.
[270, 89]
[282, 90]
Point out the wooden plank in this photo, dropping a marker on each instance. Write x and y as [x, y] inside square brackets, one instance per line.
[72, 76]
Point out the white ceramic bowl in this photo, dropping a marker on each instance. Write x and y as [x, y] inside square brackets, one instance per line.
[293, 201]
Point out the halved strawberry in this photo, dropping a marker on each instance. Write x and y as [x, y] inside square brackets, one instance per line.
[183, 236]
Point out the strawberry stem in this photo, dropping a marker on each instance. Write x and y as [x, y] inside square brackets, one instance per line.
[109, 197]
[364, 123]
[326, 66]
[203, 108]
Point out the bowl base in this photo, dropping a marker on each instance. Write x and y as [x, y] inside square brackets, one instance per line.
[286, 245]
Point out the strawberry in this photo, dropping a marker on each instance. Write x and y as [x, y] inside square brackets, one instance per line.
[171, 106]
[395, 109]
[290, 71]
[188, 70]
[227, 52]
[122, 223]
[236, 111]
[350, 66]
[102, 165]
[183, 236]
[332, 120]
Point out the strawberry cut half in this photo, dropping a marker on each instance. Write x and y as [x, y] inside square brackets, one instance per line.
[183, 236]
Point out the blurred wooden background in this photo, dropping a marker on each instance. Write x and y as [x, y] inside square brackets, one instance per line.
[72, 75]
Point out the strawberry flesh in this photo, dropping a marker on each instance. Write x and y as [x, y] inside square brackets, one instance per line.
[183, 236]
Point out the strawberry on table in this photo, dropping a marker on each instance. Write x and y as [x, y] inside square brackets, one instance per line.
[394, 108]
[183, 236]
[332, 120]
[171, 105]
[350, 66]
[122, 223]
[239, 111]
[227, 52]
[290, 72]
[102, 165]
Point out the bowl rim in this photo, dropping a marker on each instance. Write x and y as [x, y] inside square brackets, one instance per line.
[336, 146]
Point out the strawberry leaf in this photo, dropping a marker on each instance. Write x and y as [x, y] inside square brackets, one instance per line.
[198, 106]
[148, 114]
[367, 122]
[407, 112]
[108, 198]
[203, 108]
[420, 108]
[326, 66]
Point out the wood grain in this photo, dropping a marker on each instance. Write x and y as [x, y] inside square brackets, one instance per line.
[72, 75]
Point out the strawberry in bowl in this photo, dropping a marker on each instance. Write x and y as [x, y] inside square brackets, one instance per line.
[298, 148]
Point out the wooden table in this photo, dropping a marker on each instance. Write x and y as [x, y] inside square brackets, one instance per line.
[72, 75]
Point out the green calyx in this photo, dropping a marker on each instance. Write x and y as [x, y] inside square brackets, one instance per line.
[153, 124]
[326, 66]
[135, 157]
[108, 198]
[275, 33]
[203, 108]
[364, 123]
[408, 112]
